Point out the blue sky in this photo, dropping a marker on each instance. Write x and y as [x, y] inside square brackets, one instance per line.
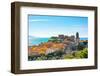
[47, 26]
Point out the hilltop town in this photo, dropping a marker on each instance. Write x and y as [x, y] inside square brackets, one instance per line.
[57, 47]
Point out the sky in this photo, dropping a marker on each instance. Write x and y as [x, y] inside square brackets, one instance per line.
[47, 26]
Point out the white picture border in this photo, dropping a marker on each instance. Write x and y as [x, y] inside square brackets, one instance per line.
[25, 64]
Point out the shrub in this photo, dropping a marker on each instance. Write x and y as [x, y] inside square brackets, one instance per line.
[82, 54]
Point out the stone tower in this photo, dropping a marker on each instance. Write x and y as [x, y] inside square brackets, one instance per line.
[77, 38]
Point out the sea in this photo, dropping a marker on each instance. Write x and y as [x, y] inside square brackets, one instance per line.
[37, 41]
[83, 38]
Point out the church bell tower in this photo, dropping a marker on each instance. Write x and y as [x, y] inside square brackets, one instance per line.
[77, 38]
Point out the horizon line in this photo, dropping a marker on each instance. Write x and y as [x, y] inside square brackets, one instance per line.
[55, 36]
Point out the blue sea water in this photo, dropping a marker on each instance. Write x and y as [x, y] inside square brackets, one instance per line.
[36, 41]
[83, 38]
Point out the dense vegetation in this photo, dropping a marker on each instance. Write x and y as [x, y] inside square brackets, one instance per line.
[54, 39]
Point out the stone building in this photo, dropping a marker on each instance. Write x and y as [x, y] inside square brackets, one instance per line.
[61, 37]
